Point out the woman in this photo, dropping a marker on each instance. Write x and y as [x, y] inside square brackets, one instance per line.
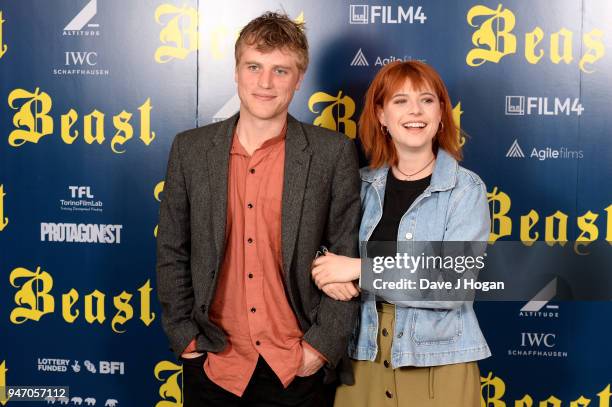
[412, 353]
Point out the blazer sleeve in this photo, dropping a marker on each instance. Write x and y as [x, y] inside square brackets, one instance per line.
[174, 285]
[335, 320]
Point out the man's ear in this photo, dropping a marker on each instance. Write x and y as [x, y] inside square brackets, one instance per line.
[299, 82]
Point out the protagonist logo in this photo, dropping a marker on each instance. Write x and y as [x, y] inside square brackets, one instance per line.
[494, 40]
[33, 122]
[34, 300]
[3, 46]
[170, 391]
[3, 220]
[337, 115]
[181, 31]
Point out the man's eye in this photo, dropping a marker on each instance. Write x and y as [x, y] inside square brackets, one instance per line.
[281, 71]
[252, 67]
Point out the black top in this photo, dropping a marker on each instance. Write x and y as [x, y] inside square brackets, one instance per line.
[399, 195]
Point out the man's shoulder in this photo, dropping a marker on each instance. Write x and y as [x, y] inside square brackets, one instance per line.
[200, 135]
[323, 137]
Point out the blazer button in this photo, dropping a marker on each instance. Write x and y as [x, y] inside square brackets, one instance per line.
[386, 363]
[203, 308]
[385, 332]
[212, 275]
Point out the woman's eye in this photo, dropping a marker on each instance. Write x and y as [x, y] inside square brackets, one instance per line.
[399, 101]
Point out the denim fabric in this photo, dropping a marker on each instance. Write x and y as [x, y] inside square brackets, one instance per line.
[452, 208]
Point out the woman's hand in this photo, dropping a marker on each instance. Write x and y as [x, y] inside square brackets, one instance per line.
[332, 268]
[341, 291]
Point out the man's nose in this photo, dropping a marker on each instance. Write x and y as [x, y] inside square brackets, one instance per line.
[265, 79]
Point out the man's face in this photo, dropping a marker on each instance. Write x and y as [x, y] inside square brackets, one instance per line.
[266, 82]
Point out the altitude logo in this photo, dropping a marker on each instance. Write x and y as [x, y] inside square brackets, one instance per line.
[376, 14]
[81, 24]
[541, 300]
[545, 153]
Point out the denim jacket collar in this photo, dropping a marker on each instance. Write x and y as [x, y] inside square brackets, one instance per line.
[443, 178]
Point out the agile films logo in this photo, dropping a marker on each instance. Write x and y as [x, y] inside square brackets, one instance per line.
[377, 14]
[544, 153]
[360, 59]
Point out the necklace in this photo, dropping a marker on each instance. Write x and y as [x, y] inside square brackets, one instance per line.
[415, 173]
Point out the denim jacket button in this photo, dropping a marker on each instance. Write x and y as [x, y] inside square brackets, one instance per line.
[399, 335]
[408, 236]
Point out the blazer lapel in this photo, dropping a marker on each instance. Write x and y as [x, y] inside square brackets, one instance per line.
[218, 162]
[297, 163]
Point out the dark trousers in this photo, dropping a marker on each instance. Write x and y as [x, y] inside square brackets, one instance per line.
[264, 389]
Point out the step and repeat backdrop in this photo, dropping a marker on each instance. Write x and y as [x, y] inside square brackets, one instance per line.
[92, 93]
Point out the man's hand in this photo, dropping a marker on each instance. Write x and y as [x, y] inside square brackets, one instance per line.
[311, 362]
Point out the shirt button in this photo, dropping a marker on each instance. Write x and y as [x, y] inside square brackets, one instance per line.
[250, 275]
[386, 363]
[253, 310]
[385, 332]
[250, 206]
[408, 235]
[399, 335]
[252, 170]
[389, 394]
[257, 343]
[250, 240]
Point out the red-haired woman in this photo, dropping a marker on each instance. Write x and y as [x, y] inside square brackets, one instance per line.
[412, 353]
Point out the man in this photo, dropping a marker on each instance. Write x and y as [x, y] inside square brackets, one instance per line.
[247, 203]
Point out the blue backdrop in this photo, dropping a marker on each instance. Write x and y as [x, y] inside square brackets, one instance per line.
[93, 92]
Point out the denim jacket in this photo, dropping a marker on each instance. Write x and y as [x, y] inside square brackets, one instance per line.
[452, 208]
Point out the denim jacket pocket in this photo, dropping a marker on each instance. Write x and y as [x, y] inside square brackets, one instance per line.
[436, 326]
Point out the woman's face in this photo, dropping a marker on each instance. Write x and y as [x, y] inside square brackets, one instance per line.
[412, 117]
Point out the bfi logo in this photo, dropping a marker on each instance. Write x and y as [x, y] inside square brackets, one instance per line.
[80, 192]
[537, 339]
[111, 367]
[81, 58]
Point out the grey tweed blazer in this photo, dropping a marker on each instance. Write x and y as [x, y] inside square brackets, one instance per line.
[320, 206]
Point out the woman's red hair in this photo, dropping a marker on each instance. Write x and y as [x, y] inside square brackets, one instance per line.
[378, 146]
